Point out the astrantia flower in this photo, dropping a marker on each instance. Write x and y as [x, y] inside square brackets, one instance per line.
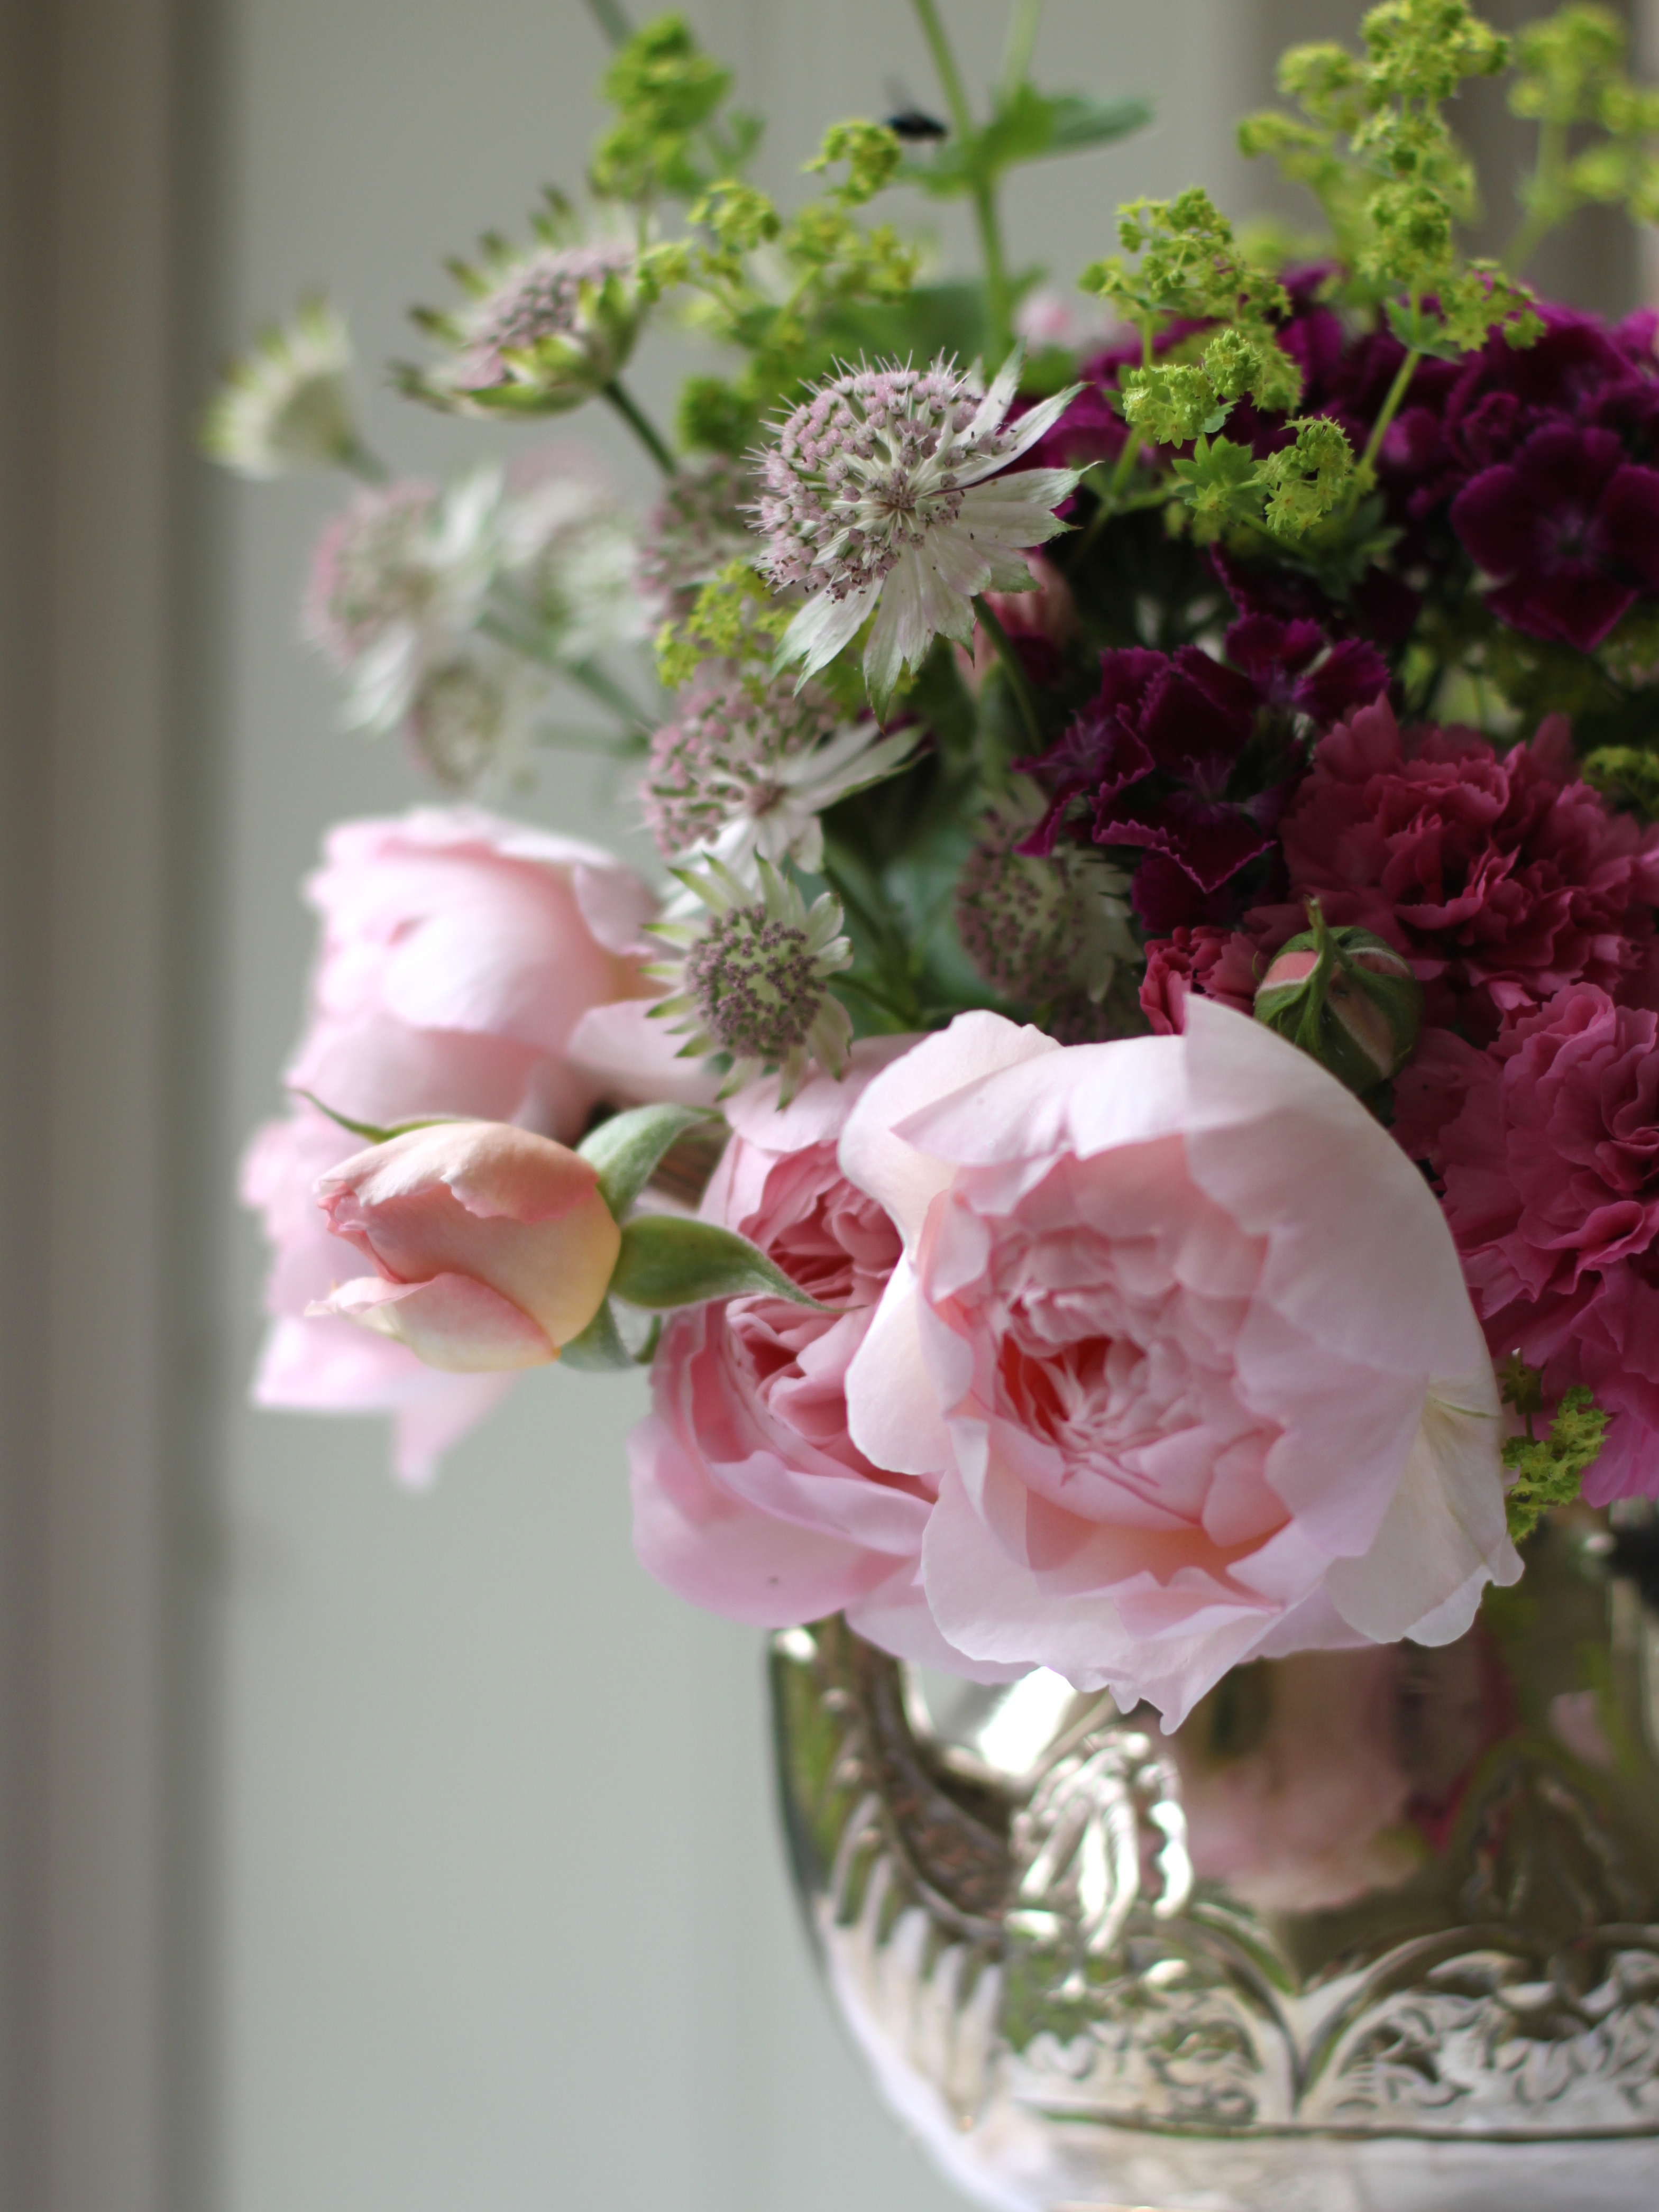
[1042, 929]
[693, 531]
[875, 500]
[747, 767]
[397, 579]
[285, 404]
[753, 980]
[570, 556]
[473, 717]
[544, 330]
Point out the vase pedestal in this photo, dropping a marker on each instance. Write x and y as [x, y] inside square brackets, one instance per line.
[1374, 1931]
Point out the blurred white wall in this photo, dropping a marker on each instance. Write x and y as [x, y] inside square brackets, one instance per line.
[501, 1922]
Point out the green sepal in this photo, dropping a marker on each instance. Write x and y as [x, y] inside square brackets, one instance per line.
[599, 1349]
[626, 1149]
[371, 1132]
[668, 1260]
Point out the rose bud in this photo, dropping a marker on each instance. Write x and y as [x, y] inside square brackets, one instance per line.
[492, 1246]
[1346, 997]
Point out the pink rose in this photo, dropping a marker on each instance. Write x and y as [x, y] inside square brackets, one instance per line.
[492, 1247]
[749, 1498]
[459, 951]
[1182, 1337]
[1503, 876]
[1550, 1152]
[1221, 964]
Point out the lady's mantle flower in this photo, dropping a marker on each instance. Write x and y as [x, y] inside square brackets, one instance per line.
[543, 330]
[746, 769]
[752, 982]
[285, 404]
[875, 501]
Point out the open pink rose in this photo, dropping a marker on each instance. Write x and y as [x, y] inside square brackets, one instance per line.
[1182, 1337]
[492, 1246]
[460, 952]
[749, 1496]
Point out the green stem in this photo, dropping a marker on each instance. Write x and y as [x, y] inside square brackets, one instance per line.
[612, 21]
[357, 460]
[944, 61]
[592, 679]
[1131, 453]
[998, 307]
[641, 425]
[1390, 408]
[1012, 668]
[1022, 44]
[1537, 224]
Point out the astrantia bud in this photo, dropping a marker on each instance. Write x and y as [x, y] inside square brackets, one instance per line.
[1346, 997]
[1042, 929]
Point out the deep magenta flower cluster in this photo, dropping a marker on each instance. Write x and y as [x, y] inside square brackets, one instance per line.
[1168, 758]
[1526, 907]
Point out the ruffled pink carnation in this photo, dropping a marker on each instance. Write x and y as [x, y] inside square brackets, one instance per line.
[1549, 1148]
[1503, 876]
[750, 1497]
[1217, 963]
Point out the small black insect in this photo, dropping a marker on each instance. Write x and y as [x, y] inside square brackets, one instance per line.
[907, 121]
[911, 123]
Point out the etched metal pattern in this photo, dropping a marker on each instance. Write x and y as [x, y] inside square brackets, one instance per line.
[1069, 2005]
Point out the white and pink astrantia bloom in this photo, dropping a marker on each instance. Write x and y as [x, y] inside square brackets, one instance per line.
[877, 499]
[1180, 1337]
[749, 1496]
[461, 953]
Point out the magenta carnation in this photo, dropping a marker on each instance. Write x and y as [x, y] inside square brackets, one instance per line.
[1217, 963]
[1503, 876]
[1551, 1167]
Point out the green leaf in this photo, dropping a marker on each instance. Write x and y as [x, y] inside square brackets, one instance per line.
[627, 1148]
[1080, 122]
[371, 1132]
[667, 1260]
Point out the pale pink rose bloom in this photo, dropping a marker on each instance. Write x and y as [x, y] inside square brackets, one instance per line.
[459, 951]
[749, 1496]
[1182, 1337]
[492, 1246]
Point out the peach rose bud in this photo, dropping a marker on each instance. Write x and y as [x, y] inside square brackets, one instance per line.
[1346, 997]
[492, 1246]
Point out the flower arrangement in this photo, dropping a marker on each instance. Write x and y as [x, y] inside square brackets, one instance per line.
[1127, 1130]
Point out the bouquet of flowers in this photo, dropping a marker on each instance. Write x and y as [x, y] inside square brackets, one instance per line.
[1127, 1131]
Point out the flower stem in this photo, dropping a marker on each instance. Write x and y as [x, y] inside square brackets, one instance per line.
[1390, 408]
[641, 425]
[1537, 224]
[1022, 43]
[999, 312]
[1013, 670]
[611, 19]
[358, 460]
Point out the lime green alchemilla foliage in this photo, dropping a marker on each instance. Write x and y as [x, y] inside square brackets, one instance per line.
[1373, 144]
[1548, 1470]
[1596, 130]
[1191, 269]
